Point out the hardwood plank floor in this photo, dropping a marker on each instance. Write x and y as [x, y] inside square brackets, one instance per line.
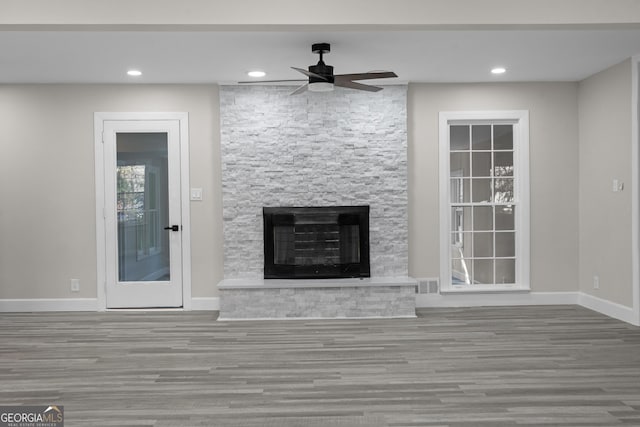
[525, 366]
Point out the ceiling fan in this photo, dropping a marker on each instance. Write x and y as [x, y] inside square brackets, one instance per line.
[322, 79]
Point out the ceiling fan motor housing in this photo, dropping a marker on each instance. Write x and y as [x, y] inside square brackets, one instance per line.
[321, 68]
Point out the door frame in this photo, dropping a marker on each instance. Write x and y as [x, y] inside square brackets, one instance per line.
[183, 120]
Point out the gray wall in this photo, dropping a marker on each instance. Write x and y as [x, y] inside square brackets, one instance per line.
[553, 139]
[605, 154]
[47, 218]
[47, 214]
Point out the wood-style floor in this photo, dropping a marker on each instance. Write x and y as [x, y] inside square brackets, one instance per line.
[525, 366]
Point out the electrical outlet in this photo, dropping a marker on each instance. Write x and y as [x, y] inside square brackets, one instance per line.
[75, 285]
[596, 282]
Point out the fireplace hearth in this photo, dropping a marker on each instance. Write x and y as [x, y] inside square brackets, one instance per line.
[316, 242]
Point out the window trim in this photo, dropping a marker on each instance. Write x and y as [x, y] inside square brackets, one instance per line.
[520, 120]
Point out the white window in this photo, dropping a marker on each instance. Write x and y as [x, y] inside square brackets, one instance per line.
[484, 201]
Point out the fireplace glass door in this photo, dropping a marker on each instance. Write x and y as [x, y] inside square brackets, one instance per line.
[316, 242]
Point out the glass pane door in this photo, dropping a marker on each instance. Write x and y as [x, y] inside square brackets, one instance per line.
[142, 204]
[142, 212]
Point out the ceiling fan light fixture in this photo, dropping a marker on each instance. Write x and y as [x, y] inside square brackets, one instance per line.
[321, 78]
[320, 87]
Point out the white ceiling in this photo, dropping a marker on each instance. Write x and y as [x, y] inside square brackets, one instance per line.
[225, 56]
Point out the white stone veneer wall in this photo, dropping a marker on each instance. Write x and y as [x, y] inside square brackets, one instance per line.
[315, 149]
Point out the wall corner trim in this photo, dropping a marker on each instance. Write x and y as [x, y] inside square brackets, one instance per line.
[635, 190]
[608, 308]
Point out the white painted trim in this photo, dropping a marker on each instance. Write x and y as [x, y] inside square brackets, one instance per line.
[444, 172]
[185, 209]
[101, 248]
[521, 159]
[48, 304]
[520, 120]
[496, 299]
[635, 187]
[608, 308]
[183, 119]
[205, 304]
[475, 289]
[89, 304]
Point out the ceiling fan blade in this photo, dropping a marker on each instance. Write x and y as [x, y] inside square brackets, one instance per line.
[366, 76]
[354, 85]
[309, 73]
[270, 81]
[300, 89]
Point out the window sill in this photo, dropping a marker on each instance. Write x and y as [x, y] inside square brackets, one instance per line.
[475, 289]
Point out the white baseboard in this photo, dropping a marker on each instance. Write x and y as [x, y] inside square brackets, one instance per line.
[81, 304]
[205, 304]
[48, 304]
[608, 308]
[496, 299]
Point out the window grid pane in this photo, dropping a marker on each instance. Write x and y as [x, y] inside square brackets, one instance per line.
[482, 201]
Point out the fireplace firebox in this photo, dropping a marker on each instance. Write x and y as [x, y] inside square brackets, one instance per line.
[316, 242]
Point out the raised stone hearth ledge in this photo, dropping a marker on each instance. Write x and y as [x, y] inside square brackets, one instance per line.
[381, 297]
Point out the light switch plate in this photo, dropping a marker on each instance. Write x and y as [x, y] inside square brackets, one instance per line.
[196, 194]
[617, 185]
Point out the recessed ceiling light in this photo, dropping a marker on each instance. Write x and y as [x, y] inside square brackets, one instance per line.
[256, 73]
[498, 70]
[134, 73]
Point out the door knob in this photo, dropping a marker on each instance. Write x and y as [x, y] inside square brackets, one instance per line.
[173, 228]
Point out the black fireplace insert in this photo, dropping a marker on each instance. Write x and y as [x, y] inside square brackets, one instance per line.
[316, 242]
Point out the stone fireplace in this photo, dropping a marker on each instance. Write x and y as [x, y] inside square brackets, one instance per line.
[314, 150]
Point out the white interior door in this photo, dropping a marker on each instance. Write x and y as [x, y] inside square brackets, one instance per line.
[143, 224]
